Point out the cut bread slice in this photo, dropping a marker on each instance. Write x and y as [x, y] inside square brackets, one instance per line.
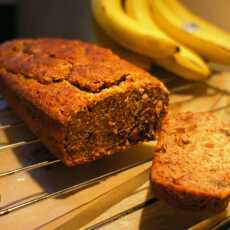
[192, 169]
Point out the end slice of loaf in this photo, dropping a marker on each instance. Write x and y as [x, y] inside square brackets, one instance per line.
[192, 169]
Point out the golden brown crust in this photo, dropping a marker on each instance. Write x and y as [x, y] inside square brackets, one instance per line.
[60, 78]
[53, 60]
[192, 170]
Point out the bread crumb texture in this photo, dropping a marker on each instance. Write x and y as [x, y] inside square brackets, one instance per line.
[193, 167]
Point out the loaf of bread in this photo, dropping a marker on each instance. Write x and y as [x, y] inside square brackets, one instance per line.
[82, 101]
[193, 168]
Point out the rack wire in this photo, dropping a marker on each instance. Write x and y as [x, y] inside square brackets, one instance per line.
[67, 190]
[8, 208]
[61, 192]
[15, 205]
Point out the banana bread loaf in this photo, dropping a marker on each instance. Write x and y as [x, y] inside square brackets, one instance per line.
[193, 168]
[82, 101]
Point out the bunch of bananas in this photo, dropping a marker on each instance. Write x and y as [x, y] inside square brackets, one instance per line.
[165, 31]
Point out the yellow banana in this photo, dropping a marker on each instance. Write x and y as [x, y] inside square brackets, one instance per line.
[104, 40]
[126, 32]
[184, 63]
[206, 39]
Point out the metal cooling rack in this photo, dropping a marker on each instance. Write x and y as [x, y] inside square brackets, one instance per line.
[77, 187]
[15, 205]
[10, 208]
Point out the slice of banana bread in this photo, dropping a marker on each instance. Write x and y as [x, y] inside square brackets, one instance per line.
[82, 101]
[192, 170]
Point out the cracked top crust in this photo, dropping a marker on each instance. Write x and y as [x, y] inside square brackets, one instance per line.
[62, 76]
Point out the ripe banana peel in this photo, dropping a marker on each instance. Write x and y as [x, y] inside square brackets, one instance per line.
[104, 40]
[208, 40]
[184, 63]
[126, 31]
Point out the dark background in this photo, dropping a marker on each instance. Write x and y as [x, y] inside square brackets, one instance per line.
[7, 21]
[46, 18]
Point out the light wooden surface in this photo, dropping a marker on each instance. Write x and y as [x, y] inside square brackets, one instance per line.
[214, 95]
[120, 201]
[112, 196]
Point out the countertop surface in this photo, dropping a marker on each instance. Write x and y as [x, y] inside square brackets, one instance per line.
[125, 200]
